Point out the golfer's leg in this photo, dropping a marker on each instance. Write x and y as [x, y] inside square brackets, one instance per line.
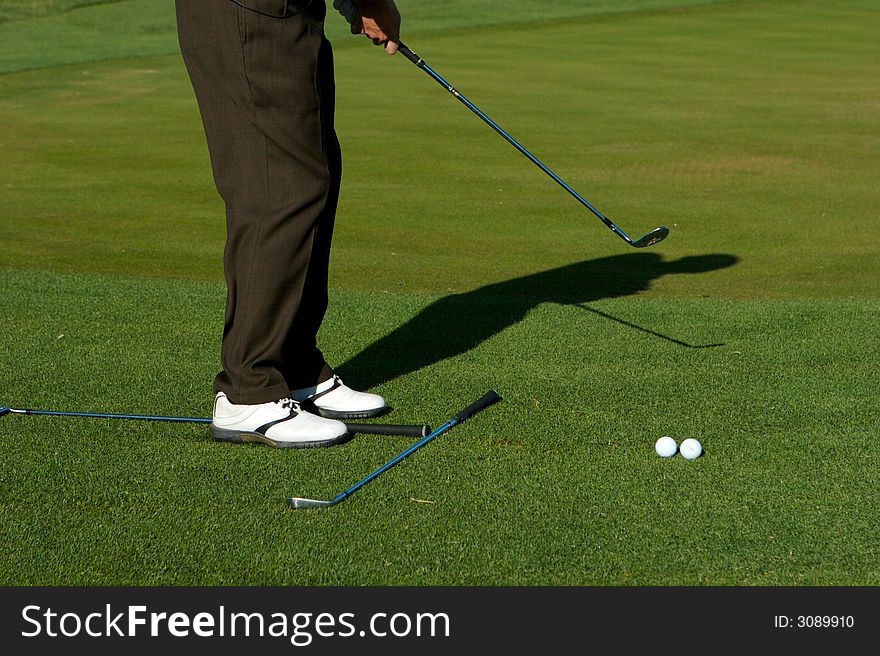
[255, 80]
[304, 364]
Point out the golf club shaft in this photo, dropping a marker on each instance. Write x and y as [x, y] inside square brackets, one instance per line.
[484, 401]
[418, 61]
[648, 239]
[416, 430]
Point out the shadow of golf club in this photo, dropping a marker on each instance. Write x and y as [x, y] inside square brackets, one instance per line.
[458, 323]
[634, 326]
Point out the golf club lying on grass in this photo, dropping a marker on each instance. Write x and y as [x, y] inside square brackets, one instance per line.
[484, 401]
[648, 239]
[416, 430]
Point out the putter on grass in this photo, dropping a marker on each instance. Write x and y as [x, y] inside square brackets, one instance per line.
[484, 401]
[416, 430]
[648, 239]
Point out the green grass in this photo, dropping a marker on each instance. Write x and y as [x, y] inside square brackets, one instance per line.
[557, 485]
[734, 133]
[747, 127]
[61, 32]
[13, 10]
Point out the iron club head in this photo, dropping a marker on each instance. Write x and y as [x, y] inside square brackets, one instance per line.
[656, 235]
[5, 409]
[299, 502]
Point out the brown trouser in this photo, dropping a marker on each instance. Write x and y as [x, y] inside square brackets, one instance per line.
[265, 91]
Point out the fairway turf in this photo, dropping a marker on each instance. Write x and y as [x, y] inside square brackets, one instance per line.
[749, 128]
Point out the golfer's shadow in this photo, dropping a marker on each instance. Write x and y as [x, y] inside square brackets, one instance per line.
[455, 324]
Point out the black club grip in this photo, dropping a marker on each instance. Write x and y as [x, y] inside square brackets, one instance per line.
[415, 430]
[484, 401]
[404, 50]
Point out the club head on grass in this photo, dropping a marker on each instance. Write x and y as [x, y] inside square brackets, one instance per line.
[656, 235]
[4, 409]
[299, 502]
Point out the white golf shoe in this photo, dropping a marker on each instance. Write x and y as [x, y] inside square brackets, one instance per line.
[335, 399]
[281, 424]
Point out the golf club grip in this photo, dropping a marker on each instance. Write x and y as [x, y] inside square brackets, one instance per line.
[415, 430]
[404, 50]
[484, 401]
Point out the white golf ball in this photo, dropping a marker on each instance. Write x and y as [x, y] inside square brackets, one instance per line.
[665, 447]
[691, 448]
